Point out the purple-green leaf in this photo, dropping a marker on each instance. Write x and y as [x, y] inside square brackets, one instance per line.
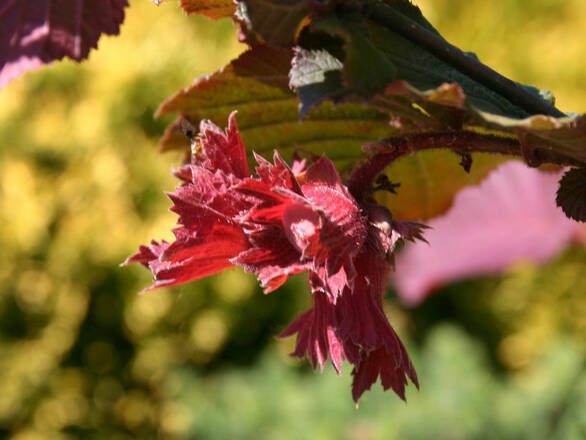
[36, 32]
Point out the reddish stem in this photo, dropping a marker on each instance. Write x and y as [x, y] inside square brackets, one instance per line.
[386, 151]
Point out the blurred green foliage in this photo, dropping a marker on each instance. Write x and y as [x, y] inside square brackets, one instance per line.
[83, 356]
[461, 398]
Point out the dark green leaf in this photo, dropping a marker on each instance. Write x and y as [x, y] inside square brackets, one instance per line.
[366, 69]
[411, 11]
[276, 21]
[375, 56]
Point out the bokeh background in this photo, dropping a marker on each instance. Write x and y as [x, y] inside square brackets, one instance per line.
[83, 356]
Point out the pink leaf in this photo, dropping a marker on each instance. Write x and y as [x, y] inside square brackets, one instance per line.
[508, 218]
[37, 32]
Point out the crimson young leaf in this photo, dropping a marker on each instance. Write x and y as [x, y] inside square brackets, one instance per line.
[282, 220]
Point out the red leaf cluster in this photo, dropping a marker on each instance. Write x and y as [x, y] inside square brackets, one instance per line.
[284, 220]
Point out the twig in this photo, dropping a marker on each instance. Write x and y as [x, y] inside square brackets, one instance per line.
[386, 151]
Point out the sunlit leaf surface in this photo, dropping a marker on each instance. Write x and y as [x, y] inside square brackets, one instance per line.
[209, 8]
